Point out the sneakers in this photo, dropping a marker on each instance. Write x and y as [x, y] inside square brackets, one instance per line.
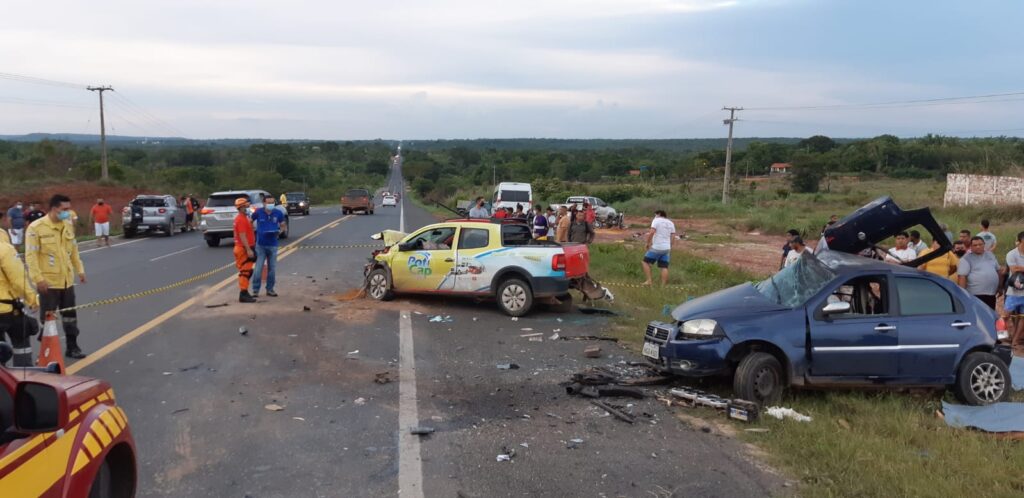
[245, 297]
[271, 293]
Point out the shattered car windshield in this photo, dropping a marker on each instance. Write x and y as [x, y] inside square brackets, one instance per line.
[794, 285]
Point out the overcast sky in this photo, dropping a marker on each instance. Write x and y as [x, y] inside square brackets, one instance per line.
[412, 69]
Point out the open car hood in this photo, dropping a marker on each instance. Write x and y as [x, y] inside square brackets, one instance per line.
[878, 220]
[390, 237]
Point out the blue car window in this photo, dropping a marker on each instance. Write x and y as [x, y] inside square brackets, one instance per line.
[797, 283]
[920, 296]
[867, 295]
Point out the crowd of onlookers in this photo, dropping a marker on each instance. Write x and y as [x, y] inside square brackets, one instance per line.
[568, 224]
[971, 263]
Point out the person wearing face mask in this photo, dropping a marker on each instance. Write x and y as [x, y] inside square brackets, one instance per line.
[269, 225]
[16, 217]
[100, 215]
[51, 254]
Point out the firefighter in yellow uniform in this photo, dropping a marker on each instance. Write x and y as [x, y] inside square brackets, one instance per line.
[15, 295]
[51, 253]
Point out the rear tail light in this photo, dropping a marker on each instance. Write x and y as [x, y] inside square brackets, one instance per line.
[161, 211]
[1001, 333]
[558, 262]
[206, 211]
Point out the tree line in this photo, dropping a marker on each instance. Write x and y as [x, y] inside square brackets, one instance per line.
[324, 169]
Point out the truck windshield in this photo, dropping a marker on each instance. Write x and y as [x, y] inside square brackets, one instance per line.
[357, 193]
[794, 285]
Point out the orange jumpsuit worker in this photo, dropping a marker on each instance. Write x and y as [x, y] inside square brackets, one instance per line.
[245, 257]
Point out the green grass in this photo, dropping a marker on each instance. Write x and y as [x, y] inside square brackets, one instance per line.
[894, 446]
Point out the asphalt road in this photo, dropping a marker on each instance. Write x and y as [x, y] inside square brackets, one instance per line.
[196, 390]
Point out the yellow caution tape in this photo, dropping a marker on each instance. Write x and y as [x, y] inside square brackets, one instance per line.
[344, 246]
[150, 292]
[640, 286]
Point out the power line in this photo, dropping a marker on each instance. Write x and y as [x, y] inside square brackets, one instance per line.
[974, 99]
[40, 81]
[51, 103]
[147, 115]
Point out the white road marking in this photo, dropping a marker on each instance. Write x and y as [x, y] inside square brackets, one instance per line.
[173, 253]
[401, 216]
[410, 466]
[111, 246]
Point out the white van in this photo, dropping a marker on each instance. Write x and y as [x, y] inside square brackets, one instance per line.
[510, 194]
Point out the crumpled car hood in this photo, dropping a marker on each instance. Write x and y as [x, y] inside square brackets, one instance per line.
[741, 299]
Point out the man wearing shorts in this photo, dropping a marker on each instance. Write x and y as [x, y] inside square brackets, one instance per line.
[659, 246]
[100, 215]
[1014, 301]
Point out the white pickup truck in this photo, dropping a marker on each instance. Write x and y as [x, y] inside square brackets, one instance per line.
[606, 215]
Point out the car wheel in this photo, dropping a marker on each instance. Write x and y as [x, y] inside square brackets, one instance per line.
[102, 484]
[377, 285]
[128, 234]
[213, 241]
[759, 378]
[515, 297]
[169, 230]
[982, 379]
[598, 224]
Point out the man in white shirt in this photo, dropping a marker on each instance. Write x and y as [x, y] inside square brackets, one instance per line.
[478, 210]
[916, 243]
[659, 246]
[796, 250]
[987, 236]
[902, 253]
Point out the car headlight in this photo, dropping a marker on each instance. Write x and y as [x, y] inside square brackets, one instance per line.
[702, 327]
[303, 203]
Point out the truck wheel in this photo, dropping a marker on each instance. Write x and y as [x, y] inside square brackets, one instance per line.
[213, 241]
[759, 378]
[377, 285]
[515, 297]
[982, 379]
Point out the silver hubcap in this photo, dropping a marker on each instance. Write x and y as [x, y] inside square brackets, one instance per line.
[513, 297]
[987, 382]
[378, 285]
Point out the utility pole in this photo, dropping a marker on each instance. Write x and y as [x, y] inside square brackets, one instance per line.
[728, 151]
[494, 174]
[104, 172]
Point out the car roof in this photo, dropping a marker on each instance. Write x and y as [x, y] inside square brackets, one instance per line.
[237, 192]
[843, 263]
[152, 196]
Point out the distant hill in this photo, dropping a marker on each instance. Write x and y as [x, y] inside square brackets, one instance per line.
[84, 138]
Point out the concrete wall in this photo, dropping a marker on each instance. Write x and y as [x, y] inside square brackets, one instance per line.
[970, 190]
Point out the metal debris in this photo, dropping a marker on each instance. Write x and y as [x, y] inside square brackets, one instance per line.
[421, 431]
[274, 407]
[508, 366]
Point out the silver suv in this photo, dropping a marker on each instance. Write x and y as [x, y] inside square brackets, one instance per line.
[219, 214]
[147, 213]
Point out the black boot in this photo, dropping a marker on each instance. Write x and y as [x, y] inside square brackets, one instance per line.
[245, 297]
[73, 351]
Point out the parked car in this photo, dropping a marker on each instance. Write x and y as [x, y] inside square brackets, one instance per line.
[606, 215]
[480, 258]
[836, 319]
[388, 200]
[511, 194]
[357, 199]
[219, 214]
[62, 436]
[149, 213]
[297, 203]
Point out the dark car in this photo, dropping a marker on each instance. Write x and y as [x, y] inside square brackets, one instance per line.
[837, 319]
[357, 199]
[298, 203]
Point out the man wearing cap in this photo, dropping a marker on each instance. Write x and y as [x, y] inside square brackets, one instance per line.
[245, 256]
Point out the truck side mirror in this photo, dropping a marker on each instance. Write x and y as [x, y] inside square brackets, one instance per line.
[837, 308]
[39, 407]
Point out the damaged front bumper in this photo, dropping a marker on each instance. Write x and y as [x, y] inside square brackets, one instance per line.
[685, 357]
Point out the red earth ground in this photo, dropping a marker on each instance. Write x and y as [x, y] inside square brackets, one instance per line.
[83, 195]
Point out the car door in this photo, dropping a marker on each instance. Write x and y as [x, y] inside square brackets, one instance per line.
[933, 324]
[427, 262]
[862, 342]
[471, 275]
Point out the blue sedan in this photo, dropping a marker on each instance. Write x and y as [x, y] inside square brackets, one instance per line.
[836, 319]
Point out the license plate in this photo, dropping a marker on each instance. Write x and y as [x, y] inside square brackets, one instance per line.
[650, 350]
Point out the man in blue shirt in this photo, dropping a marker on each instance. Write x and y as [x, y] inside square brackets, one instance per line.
[269, 224]
[17, 217]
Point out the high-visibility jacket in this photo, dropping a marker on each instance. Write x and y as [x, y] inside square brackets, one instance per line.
[4, 236]
[13, 284]
[51, 253]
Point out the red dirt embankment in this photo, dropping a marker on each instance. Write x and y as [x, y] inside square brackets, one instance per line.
[83, 195]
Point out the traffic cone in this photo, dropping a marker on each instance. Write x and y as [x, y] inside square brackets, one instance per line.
[49, 347]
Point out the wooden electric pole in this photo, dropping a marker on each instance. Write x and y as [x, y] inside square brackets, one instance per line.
[104, 172]
[728, 151]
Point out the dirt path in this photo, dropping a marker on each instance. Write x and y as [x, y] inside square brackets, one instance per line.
[754, 252]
